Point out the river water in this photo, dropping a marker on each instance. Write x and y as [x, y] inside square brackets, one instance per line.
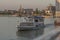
[8, 30]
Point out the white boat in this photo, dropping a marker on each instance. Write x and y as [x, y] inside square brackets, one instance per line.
[30, 23]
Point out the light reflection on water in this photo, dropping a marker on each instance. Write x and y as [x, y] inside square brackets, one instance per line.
[8, 30]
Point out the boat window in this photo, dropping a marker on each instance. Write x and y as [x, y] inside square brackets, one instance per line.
[26, 24]
[36, 20]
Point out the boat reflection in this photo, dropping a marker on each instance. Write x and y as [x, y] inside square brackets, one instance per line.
[30, 34]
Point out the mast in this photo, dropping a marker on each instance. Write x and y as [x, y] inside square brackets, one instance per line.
[20, 10]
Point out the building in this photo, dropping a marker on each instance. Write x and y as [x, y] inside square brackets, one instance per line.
[12, 11]
[1, 12]
[57, 5]
[28, 11]
[50, 10]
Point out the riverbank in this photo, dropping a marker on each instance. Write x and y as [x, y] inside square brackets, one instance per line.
[18, 16]
[48, 16]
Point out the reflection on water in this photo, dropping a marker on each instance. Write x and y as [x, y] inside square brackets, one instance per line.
[30, 34]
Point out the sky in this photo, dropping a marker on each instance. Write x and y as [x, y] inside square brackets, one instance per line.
[15, 4]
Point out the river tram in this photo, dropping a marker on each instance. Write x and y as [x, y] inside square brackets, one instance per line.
[31, 23]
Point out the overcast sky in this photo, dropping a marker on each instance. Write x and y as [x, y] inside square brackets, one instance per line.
[15, 4]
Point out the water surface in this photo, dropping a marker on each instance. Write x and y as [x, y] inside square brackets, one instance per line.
[8, 29]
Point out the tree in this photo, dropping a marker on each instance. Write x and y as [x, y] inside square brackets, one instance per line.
[37, 11]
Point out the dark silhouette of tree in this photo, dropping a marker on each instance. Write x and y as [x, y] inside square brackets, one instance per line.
[37, 11]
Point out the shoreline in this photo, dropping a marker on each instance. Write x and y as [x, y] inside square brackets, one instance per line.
[18, 16]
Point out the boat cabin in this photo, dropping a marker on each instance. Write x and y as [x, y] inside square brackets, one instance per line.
[38, 19]
[31, 23]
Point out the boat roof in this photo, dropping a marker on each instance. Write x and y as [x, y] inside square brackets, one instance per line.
[34, 17]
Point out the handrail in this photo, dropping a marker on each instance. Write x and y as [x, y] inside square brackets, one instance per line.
[49, 35]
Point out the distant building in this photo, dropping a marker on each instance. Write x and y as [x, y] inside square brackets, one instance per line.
[4, 12]
[1, 11]
[12, 11]
[47, 12]
[51, 10]
[28, 11]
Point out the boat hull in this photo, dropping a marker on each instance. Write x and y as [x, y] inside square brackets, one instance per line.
[30, 28]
